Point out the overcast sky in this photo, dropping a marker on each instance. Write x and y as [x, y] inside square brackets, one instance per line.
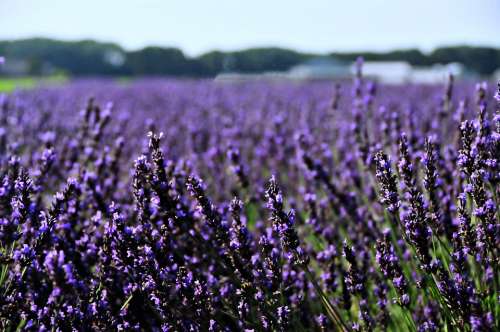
[311, 25]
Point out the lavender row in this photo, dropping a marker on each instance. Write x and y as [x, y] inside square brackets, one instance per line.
[255, 206]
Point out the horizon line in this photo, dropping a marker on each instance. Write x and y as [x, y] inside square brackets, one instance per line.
[253, 47]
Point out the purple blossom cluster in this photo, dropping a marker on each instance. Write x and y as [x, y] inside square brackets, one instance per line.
[200, 206]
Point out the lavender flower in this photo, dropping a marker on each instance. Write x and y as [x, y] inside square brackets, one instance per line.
[104, 229]
[415, 223]
[391, 268]
[283, 223]
[387, 181]
[356, 284]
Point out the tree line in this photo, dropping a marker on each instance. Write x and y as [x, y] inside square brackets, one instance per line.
[90, 58]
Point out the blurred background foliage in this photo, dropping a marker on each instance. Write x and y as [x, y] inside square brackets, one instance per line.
[43, 57]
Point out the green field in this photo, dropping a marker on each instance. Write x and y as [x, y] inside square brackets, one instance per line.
[9, 84]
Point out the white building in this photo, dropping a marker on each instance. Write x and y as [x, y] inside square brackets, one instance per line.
[388, 72]
[235, 77]
[398, 72]
[437, 74]
[320, 68]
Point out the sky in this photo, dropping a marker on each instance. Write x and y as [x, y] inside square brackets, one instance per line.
[313, 25]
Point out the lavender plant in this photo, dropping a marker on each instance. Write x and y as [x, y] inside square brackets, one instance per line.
[381, 212]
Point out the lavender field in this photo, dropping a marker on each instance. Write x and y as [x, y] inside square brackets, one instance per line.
[184, 205]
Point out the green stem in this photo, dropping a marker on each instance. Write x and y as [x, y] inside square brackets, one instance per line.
[331, 310]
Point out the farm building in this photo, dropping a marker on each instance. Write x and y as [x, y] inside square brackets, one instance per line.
[438, 74]
[390, 72]
[320, 68]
